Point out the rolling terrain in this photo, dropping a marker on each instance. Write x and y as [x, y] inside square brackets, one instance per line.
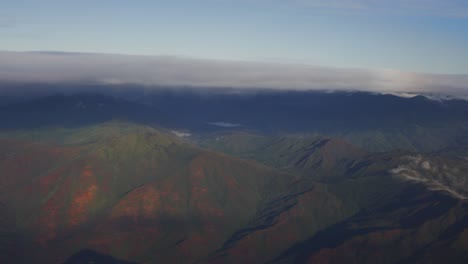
[107, 180]
[315, 156]
[136, 194]
[384, 215]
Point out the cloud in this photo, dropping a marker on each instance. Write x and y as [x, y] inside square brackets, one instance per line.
[445, 8]
[438, 176]
[225, 124]
[110, 69]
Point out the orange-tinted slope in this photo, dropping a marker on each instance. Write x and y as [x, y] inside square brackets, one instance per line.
[416, 226]
[141, 196]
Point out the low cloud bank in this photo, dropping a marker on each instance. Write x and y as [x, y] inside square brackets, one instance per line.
[225, 124]
[110, 69]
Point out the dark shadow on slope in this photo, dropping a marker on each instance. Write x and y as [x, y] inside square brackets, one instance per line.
[9, 243]
[409, 210]
[91, 256]
[268, 216]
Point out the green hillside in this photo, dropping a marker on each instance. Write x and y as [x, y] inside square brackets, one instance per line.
[139, 194]
[317, 157]
[130, 191]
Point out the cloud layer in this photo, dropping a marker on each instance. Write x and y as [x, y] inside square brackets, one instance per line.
[58, 67]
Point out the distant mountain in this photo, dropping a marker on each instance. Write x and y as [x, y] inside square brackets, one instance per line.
[74, 111]
[372, 121]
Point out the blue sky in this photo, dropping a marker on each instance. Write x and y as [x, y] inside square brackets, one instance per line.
[413, 35]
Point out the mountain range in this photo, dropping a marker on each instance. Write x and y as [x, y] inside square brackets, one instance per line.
[177, 176]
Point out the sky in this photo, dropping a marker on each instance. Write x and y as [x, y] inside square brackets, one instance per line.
[417, 37]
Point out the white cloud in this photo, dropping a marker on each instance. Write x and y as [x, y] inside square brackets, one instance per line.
[224, 124]
[57, 67]
[436, 174]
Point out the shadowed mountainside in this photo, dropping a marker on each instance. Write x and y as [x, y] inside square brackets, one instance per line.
[414, 226]
[315, 156]
[374, 122]
[90, 256]
[75, 111]
[137, 194]
[380, 217]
